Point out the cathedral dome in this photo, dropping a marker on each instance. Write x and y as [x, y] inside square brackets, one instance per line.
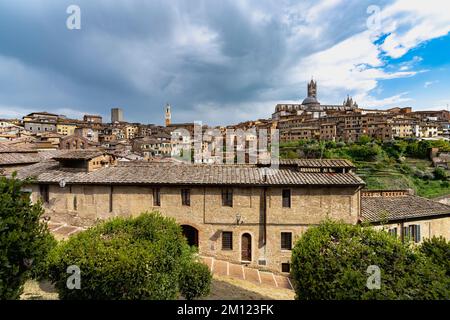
[310, 100]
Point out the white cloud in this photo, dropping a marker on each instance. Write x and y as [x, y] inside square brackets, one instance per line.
[427, 84]
[412, 22]
[353, 65]
[356, 64]
[396, 100]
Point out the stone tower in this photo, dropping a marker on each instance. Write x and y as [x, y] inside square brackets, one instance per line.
[168, 115]
[312, 89]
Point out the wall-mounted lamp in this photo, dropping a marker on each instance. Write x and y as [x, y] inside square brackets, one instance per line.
[239, 219]
[62, 183]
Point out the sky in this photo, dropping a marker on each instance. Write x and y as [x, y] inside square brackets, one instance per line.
[220, 62]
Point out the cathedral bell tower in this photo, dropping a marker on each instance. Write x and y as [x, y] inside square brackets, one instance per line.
[168, 115]
[312, 89]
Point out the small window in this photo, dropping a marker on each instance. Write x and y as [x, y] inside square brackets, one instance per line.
[286, 241]
[412, 232]
[43, 190]
[186, 197]
[393, 232]
[227, 197]
[286, 198]
[227, 240]
[157, 197]
[286, 267]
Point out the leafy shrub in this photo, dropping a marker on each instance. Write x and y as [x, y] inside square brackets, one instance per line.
[438, 250]
[440, 173]
[195, 280]
[24, 239]
[405, 169]
[124, 258]
[363, 140]
[330, 261]
[364, 152]
[40, 268]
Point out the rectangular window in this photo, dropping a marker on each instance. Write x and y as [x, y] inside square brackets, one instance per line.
[43, 190]
[412, 232]
[156, 197]
[286, 241]
[186, 197]
[285, 267]
[227, 240]
[393, 232]
[286, 198]
[227, 197]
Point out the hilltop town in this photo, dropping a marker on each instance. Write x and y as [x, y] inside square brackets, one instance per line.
[307, 120]
[86, 170]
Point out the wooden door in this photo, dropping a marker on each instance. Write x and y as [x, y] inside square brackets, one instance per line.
[246, 247]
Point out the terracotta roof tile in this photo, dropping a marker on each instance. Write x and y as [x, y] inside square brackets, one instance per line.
[185, 174]
[377, 209]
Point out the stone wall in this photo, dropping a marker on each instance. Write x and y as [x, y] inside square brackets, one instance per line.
[439, 226]
[84, 204]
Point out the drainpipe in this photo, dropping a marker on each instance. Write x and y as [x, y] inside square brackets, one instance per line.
[402, 233]
[264, 215]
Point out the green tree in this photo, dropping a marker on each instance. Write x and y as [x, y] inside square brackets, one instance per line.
[24, 239]
[126, 259]
[195, 280]
[330, 261]
[438, 250]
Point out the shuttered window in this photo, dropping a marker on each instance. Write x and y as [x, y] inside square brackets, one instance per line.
[186, 197]
[286, 240]
[156, 197]
[285, 267]
[412, 232]
[227, 197]
[227, 240]
[286, 198]
[393, 232]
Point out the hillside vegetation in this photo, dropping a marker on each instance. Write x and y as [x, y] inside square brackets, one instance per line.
[397, 164]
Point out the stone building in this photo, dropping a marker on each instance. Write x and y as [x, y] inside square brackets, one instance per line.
[89, 118]
[241, 213]
[116, 115]
[74, 142]
[405, 215]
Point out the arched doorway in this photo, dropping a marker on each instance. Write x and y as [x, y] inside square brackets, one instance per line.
[191, 235]
[246, 247]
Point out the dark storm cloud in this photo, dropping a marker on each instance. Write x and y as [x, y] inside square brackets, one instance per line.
[201, 56]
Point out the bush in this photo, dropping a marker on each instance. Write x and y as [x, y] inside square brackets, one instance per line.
[195, 280]
[124, 258]
[405, 168]
[40, 269]
[24, 239]
[364, 152]
[330, 261]
[440, 173]
[438, 250]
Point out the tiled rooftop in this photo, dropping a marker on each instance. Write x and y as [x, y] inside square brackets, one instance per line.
[79, 155]
[185, 174]
[395, 205]
[21, 157]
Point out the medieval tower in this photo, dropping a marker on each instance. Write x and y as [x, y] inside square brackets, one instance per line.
[312, 89]
[168, 115]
